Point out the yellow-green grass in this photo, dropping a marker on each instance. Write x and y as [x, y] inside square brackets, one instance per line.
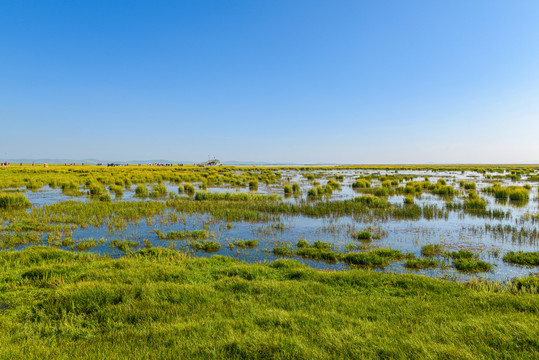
[161, 304]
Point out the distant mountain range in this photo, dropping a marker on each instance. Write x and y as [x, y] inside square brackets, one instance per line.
[229, 162]
[158, 161]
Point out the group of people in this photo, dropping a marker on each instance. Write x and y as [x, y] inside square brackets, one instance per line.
[161, 164]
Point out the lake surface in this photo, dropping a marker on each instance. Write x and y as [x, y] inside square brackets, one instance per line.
[456, 230]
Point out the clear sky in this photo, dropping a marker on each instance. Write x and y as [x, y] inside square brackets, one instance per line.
[278, 81]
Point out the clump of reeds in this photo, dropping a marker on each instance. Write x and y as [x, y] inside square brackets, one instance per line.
[471, 265]
[88, 244]
[373, 258]
[158, 191]
[519, 194]
[529, 284]
[33, 185]
[371, 201]
[419, 263]
[468, 185]
[333, 184]
[124, 245]
[206, 246]
[522, 258]
[253, 185]
[204, 195]
[117, 190]
[141, 191]
[96, 189]
[515, 193]
[318, 253]
[474, 202]
[381, 192]
[319, 191]
[302, 243]
[362, 235]
[461, 254]
[189, 189]
[361, 184]
[281, 251]
[244, 244]
[287, 189]
[431, 250]
[409, 200]
[14, 201]
[180, 235]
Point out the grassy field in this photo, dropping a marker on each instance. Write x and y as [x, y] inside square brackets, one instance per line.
[164, 304]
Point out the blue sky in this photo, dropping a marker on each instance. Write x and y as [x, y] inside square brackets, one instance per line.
[278, 81]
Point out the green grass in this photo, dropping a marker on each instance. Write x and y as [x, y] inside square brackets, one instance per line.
[141, 191]
[362, 235]
[474, 202]
[324, 251]
[373, 258]
[321, 254]
[104, 197]
[180, 235]
[431, 250]
[11, 240]
[189, 189]
[361, 184]
[416, 263]
[514, 193]
[522, 258]
[228, 196]
[96, 189]
[409, 200]
[281, 251]
[13, 201]
[253, 185]
[244, 244]
[206, 246]
[88, 244]
[519, 194]
[124, 245]
[117, 190]
[468, 185]
[158, 191]
[161, 304]
[461, 254]
[66, 242]
[302, 243]
[471, 265]
[287, 189]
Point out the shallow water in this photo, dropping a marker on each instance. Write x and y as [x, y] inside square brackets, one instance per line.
[457, 231]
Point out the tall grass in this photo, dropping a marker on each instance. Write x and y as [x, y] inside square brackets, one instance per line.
[160, 303]
[522, 258]
[189, 189]
[158, 191]
[432, 250]
[471, 265]
[13, 201]
[373, 258]
[253, 185]
[141, 191]
[96, 189]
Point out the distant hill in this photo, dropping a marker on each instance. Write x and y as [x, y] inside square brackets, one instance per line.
[159, 161]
